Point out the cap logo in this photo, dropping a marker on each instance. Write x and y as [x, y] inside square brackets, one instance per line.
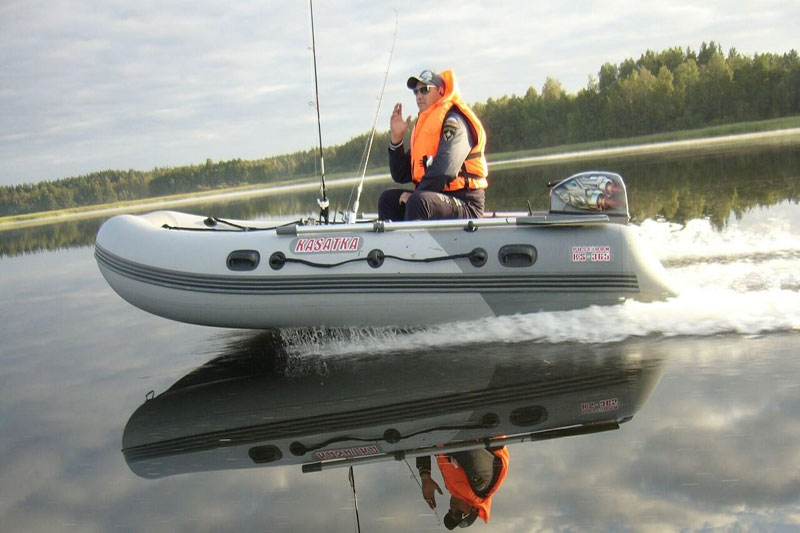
[426, 75]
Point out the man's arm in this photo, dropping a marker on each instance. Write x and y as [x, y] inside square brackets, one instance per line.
[399, 159]
[429, 486]
[424, 464]
[454, 147]
[399, 163]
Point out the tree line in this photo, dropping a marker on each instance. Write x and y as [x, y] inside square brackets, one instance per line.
[671, 90]
[677, 188]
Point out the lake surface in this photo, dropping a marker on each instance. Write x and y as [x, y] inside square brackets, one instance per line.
[712, 378]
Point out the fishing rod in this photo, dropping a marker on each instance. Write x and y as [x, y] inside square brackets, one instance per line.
[351, 215]
[355, 501]
[419, 484]
[322, 201]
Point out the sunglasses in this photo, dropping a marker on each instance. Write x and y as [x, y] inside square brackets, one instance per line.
[423, 90]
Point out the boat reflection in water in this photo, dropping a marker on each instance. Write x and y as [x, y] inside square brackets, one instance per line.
[256, 406]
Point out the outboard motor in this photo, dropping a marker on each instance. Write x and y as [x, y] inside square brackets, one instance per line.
[594, 192]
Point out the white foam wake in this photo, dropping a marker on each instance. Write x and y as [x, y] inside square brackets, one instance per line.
[703, 312]
[743, 279]
[772, 233]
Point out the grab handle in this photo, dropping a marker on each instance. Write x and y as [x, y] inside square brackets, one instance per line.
[517, 255]
[243, 260]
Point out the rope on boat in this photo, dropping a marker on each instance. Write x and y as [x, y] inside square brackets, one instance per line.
[211, 223]
[376, 258]
[392, 436]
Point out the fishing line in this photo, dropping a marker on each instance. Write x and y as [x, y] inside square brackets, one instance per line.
[351, 215]
[414, 477]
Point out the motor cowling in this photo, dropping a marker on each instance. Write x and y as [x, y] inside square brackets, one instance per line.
[594, 192]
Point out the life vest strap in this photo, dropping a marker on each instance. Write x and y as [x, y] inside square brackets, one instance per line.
[469, 175]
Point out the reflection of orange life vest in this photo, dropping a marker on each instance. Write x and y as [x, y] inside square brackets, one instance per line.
[455, 479]
[428, 131]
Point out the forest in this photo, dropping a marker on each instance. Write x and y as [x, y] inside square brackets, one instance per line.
[672, 90]
[721, 188]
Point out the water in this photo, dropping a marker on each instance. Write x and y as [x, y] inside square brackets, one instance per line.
[713, 445]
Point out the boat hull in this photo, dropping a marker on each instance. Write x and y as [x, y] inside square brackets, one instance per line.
[173, 265]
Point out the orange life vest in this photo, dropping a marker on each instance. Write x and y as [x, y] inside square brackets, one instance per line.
[428, 132]
[455, 479]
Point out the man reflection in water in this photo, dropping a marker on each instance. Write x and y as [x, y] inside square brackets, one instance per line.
[471, 477]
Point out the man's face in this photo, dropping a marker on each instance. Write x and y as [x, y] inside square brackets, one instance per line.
[459, 505]
[459, 511]
[426, 95]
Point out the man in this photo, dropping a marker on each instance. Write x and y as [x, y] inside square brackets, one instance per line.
[471, 477]
[446, 161]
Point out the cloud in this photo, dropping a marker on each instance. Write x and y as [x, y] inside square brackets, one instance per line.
[108, 84]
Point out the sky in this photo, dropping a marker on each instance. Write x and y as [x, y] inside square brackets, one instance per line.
[89, 85]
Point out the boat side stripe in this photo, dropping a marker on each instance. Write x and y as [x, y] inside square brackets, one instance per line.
[371, 282]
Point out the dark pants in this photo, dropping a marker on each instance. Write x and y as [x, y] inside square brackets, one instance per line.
[429, 205]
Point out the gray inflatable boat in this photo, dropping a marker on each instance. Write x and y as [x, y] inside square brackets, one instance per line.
[244, 274]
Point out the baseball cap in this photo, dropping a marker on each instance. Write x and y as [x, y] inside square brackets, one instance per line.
[426, 77]
[451, 520]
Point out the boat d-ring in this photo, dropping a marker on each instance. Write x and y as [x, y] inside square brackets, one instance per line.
[478, 257]
[375, 258]
[297, 448]
[277, 260]
[392, 436]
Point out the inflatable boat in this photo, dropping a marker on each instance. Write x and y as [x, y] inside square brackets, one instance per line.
[246, 410]
[245, 274]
